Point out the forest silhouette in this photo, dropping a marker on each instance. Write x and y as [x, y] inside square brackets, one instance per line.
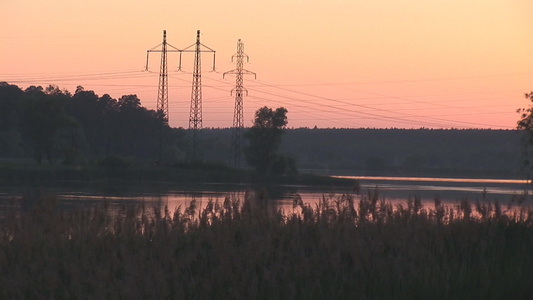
[51, 125]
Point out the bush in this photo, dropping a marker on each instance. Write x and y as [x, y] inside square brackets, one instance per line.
[113, 161]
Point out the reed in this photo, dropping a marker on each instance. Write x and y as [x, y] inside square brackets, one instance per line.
[344, 247]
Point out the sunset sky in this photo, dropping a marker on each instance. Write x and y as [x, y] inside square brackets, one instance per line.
[331, 63]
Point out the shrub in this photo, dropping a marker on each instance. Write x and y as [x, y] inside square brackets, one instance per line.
[113, 161]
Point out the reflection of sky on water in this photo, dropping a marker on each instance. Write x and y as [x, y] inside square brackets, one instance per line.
[440, 188]
[435, 179]
[394, 189]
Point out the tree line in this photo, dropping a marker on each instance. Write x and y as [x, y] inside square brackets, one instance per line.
[53, 125]
[435, 152]
[50, 124]
[450, 152]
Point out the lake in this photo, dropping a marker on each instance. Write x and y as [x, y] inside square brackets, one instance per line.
[394, 189]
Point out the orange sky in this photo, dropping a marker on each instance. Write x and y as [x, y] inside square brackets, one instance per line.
[331, 63]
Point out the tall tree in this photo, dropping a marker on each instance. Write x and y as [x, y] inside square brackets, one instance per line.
[83, 106]
[44, 117]
[139, 128]
[9, 119]
[526, 117]
[264, 137]
[9, 106]
[526, 124]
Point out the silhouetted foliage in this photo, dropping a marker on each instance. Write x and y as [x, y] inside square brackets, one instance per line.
[52, 123]
[526, 124]
[282, 164]
[112, 161]
[10, 112]
[345, 247]
[265, 137]
[83, 127]
[9, 106]
[43, 118]
[526, 117]
[415, 151]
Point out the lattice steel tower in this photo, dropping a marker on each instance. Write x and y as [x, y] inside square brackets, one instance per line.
[239, 90]
[162, 91]
[195, 115]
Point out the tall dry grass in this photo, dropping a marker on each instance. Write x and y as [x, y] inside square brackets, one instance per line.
[242, 248]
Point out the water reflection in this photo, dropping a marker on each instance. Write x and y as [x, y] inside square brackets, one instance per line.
[436, 179]
[394, 189]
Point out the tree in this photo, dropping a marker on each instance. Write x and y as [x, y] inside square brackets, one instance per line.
[526, 124]
[264, 138]
[9, 106]
[526, 116]
[139, 127]
[10, 112]
[83, 106]
[44, 117]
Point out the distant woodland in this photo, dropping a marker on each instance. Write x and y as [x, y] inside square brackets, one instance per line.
[393, 151]
[446, 152]
[53, 126]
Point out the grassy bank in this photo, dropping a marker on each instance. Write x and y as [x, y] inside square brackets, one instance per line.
[235, 249]
[32, 175]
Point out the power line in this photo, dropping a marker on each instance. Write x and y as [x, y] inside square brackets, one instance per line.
[384, 110]
[433, 122]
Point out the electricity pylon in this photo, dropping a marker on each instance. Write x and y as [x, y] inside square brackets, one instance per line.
[162, 91]
[239, 89]
[195, 115]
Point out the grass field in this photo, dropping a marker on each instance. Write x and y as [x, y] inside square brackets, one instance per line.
[346, 247]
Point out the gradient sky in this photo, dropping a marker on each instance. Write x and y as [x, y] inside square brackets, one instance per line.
[331, 63]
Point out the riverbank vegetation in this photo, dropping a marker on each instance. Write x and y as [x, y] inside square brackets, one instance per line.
[344, 247]
[53, 126]
[179, 174]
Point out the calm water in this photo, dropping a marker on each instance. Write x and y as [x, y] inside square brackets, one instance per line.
[394, 189]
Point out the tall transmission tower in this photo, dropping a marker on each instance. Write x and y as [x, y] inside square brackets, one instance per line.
[195, 116]
[239, 90]
[162, 91]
